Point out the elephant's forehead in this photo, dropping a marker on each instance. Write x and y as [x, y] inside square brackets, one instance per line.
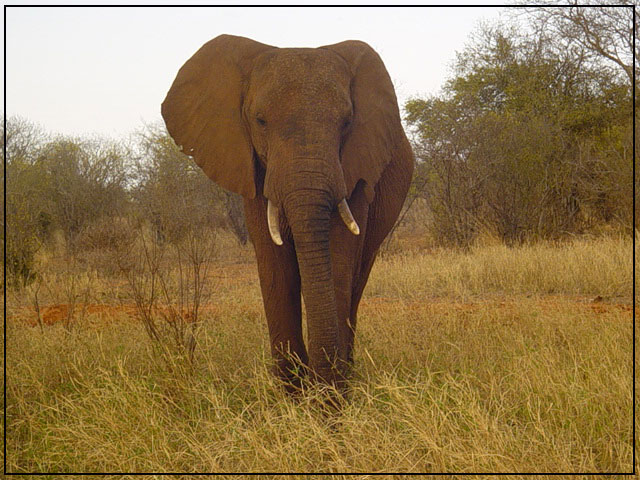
[306, 67]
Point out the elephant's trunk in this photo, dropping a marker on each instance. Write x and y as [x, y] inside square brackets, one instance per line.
[308, 204]
[309, 219]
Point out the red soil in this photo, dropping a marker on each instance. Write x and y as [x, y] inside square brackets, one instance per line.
[52, 314]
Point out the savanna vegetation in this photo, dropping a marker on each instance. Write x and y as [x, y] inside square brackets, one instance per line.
[531, 137]
[493, 360]
[495, 334]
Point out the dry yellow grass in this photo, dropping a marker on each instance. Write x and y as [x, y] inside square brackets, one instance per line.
[601, 266]
[496, 360]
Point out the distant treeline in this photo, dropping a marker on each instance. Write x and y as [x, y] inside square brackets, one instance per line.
[532, 135]
[92, 190]
[530, 138]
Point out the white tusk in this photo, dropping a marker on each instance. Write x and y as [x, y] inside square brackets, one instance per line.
[347, 218]
[273, 220]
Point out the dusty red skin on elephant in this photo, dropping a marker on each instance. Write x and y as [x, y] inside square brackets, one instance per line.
[304, 129]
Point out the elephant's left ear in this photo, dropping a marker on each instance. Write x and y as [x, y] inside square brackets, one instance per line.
[376, 134]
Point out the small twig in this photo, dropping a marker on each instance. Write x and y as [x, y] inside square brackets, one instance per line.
[36, 304]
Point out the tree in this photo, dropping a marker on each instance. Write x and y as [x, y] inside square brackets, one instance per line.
[176, 195]
[525, 140]
[61, 183]
[601, 33]
[85, 180]
[23, 221]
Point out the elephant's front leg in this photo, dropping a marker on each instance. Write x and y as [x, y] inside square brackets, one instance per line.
[346, 253]
[280, 284]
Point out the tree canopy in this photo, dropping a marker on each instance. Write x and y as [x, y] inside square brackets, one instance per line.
[526, 139]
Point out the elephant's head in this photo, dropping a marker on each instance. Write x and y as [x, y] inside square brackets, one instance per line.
[311, 122]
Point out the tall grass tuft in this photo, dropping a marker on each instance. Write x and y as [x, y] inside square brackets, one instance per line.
[601, 266]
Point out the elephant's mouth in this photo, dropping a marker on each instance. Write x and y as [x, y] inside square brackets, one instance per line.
[273, 220]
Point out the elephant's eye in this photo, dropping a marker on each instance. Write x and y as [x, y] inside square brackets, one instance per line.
[346, 124]
[261, 121]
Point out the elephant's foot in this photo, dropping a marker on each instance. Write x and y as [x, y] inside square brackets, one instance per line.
[292, 373]
[329, 392]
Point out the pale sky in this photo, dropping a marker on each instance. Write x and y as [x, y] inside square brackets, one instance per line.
[97, 70]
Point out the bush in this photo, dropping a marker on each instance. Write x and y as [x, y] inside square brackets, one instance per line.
[20, 259]
[526, 141]
[106, 233]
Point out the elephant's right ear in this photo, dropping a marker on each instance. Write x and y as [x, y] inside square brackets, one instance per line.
[203, 111]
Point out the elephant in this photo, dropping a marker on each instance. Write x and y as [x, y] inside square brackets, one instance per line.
[312, 140]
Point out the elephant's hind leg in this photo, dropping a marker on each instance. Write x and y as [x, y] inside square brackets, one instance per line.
[390, 193]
